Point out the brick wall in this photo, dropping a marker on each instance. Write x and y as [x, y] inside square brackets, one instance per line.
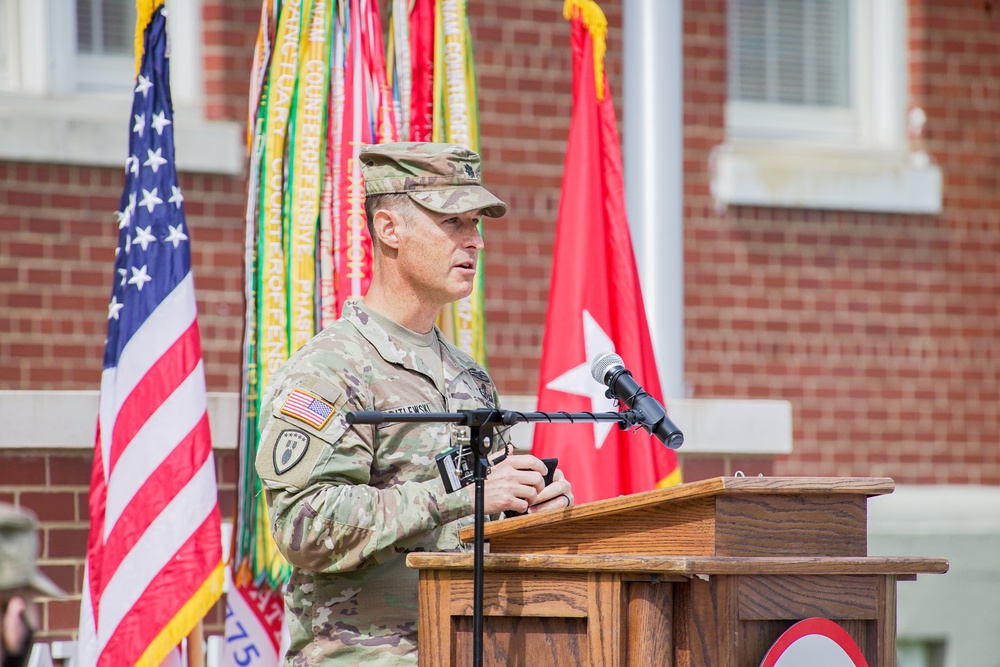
[230, 31]
[881, 329]
[55, 485]
[57, 240]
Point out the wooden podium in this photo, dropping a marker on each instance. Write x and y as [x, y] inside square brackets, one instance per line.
[705, 574]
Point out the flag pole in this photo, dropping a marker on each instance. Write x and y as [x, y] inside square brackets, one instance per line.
[196, 645]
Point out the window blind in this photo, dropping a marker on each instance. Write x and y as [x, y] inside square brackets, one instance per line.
[105, 27]
[793, 52]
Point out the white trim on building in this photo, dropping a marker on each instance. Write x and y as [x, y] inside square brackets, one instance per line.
[66, 420]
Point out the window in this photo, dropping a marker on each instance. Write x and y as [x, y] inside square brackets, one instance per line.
[912, 653]
[791, 60]
[817, 108]
[67, 69]
[105, 44]
[790, 52]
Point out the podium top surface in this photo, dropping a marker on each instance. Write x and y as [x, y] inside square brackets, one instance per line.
[702, 489]
[903, 566]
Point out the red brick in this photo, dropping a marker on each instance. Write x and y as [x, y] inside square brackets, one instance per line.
[701, 466]
[63, 615]
[51, 505]
[66, 542]
[21, 470]
[65, 470]
[64, 576]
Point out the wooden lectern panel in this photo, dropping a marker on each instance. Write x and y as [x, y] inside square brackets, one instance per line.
[707, 574]
[629, 611]
[725, 516]
[650, 614]
[792, 525]
[523, 642]
[763, 598]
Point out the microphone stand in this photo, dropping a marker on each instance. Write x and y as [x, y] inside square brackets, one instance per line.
[481, 423]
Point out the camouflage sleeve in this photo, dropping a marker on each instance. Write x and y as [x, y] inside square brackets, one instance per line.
[316, 471]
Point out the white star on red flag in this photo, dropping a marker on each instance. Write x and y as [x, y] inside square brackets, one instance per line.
[579, 381]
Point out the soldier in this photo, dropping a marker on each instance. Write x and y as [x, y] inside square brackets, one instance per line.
[20, 582]
[348, 503]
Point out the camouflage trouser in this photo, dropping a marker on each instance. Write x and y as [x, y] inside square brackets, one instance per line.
[338, 608]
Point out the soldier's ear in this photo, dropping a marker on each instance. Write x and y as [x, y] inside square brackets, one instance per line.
[386, 227]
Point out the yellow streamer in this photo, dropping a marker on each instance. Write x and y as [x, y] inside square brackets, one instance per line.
[273, 341]
[306, 174]
[456, 121]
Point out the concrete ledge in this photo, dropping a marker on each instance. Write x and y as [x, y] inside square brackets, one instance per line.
[94, 130]
[67, 420]
[762, 173]
[935, 510]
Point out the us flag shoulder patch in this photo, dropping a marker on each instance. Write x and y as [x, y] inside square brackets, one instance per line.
[303, 406]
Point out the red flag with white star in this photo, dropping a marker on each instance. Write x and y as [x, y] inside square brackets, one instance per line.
[595, 300]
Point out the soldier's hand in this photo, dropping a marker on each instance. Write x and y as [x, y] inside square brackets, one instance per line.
[15, 630]
[513, 484]
[557, 495]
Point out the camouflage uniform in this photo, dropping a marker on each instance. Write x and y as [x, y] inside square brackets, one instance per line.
[20, 578]
[348, 503]
[19, 553]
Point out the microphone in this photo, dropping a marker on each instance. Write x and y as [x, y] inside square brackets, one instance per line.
[609, 369]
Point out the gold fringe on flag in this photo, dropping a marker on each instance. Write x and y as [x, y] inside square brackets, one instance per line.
[593, 20]
[143, 14]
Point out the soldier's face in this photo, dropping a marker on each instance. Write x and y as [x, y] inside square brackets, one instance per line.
[438, 253]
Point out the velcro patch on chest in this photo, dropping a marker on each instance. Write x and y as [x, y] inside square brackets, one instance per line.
[308, 408]
[420, 408]
[483, 384]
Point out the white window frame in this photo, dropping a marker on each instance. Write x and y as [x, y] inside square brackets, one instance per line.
[46, 115]
[775, 121]
[9, 44]
[101, 71]
[814, 157]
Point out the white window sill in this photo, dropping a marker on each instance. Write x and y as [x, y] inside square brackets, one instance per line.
[94, 129]
[790, 175]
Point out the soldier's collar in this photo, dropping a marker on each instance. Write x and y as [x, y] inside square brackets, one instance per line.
[388, 348]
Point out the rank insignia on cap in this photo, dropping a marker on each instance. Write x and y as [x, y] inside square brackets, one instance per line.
[303, 406]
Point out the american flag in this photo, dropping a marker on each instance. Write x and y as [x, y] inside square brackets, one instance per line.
[310, 409]
[154, 557]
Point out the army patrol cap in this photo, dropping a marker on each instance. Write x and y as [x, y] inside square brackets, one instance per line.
[444, 178]
[19, 551]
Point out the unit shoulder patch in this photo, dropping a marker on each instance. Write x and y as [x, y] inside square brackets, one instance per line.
[289, 449]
